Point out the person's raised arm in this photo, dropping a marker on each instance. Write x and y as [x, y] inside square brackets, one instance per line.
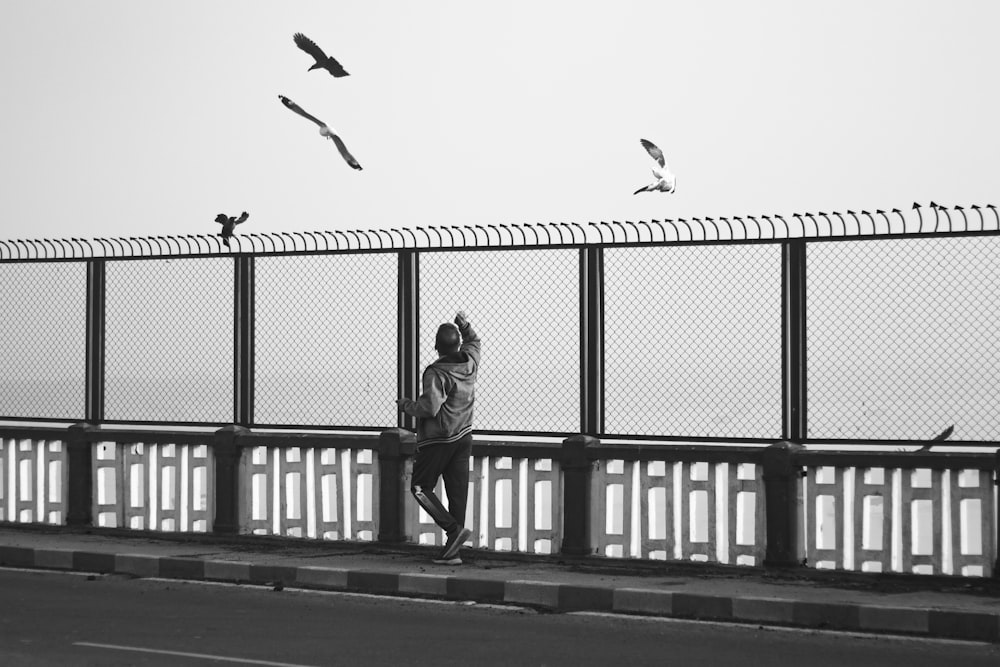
[470, 339]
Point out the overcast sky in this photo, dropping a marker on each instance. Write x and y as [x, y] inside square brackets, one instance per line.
[131, 117]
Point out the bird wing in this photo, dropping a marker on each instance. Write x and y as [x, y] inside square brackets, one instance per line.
[299, 110]
[309, 47]
[945, 434]
[344, 153]
[221, 218]
[242, 218]
[335, 68]
[654, 152]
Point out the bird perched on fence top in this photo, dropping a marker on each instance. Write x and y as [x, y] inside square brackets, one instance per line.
[229, 224]
[323, 61]
[324, 130]
[665, 180]
[943, 435]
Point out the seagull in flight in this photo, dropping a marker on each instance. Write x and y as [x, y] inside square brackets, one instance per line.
[229, 224]
[323, 61]
[324, 130]
[665, 180]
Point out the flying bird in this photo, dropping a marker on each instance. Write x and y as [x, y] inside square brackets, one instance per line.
[323, 61]
[324, 130]
[229, 224]
[665, 180]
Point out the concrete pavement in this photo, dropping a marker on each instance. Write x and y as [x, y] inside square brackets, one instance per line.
[953, 608]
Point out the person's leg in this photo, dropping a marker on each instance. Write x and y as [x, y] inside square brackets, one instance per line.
[428, 465]
[456, 478]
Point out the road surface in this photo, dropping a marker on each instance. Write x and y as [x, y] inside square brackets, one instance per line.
[51, 618]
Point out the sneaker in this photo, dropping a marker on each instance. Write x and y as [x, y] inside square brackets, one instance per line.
[454, 543]
[450, 561]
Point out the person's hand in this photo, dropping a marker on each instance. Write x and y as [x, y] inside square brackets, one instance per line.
[400, 402]
[461, 319]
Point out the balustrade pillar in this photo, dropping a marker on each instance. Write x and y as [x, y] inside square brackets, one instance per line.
[227, 482]
[996, 519]
[395, 446]
[80, 470]
[782, 481]
[577, 468]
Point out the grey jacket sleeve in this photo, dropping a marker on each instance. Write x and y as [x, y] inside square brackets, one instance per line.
[471, 344]
[433, 396]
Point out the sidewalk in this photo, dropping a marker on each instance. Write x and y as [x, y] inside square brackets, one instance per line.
[921, 606]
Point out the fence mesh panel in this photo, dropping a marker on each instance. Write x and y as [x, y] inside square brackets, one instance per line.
[904, 338]
[326, 340]
[693, 341]
[169, 340]
[525, 307]
[43, 340]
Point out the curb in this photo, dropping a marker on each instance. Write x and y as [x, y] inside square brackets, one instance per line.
[882, 619]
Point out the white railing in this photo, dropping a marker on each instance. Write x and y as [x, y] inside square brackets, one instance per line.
[923, 513]
[678, 510]
[911, 520]
[315, 492]
[153, 486]
[33, 475]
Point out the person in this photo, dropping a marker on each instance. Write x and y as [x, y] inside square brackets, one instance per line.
[444, 431]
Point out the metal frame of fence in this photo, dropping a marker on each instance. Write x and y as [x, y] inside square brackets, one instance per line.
[590, 241]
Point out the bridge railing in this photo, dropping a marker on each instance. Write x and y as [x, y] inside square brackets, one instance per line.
[921, 512]
[777, 505]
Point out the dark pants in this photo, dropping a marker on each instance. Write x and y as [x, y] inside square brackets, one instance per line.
[451, 461]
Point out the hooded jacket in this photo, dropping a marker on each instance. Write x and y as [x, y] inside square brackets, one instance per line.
[444, 409]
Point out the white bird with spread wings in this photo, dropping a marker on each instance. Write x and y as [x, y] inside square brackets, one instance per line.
[324, 130]
[665, 179]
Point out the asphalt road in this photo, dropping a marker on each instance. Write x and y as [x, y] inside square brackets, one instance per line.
[49, 618]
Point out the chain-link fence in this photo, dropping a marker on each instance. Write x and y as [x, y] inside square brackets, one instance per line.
[326, 340]
[169, 337]
[904, 338]
[901, 337]
[692, 343]
[525, 307]
[42, 333]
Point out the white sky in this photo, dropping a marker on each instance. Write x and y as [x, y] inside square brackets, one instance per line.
[130, 117]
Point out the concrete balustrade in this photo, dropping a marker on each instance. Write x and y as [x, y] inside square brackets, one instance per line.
[781, 505]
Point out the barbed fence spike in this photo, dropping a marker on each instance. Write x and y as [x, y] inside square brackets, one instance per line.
[965, 218]
[488, 235]
[843, 225]
[770, 223]
[426, 235]
[947, 214]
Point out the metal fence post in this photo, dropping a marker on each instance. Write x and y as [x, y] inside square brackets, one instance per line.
[592, 340]
[782, 477]
[227, 479]
[577, 469]
[395, 446]
[793, 340]
[94, 373]
[243, 339]
[408, 331]
[80, 468]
